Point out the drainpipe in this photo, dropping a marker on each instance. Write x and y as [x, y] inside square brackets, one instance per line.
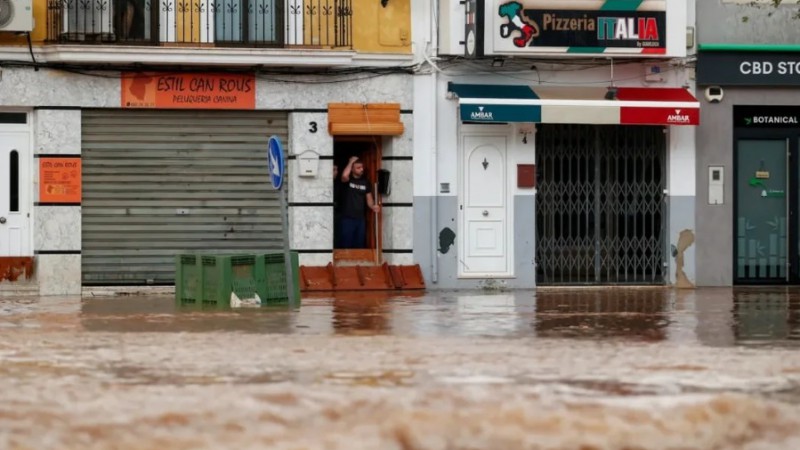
[434, 153]
[435, 198]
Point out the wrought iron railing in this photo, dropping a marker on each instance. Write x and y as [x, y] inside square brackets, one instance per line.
[249, 23]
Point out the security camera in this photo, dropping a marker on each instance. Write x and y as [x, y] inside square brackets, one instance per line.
[714, 94]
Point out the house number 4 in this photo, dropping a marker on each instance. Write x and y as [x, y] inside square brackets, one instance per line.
[313, 126]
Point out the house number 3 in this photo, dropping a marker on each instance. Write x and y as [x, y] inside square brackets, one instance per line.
[313, 126]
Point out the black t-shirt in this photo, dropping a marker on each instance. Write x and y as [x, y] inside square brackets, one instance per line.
[353, 197]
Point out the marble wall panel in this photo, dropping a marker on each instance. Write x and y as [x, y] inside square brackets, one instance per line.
[312, 227]
[402, 145]
[57, 132]
[57, 228]
[400, 259]
[305, 92]
[315, 259]
[59, 274]
[309, 131]
[398, 228]
[47, 87]
[316, 189]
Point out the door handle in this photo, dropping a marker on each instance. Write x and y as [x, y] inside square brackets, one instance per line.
[2, 220]
[485, 213]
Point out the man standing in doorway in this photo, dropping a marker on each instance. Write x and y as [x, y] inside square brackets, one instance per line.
[356, 193]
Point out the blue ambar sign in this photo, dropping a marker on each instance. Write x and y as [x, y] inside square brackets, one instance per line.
[275, 162]
[501, 113]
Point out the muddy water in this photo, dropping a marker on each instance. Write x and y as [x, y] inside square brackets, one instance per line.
[557, 369]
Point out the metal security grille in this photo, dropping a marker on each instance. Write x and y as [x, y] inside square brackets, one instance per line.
[160, 183]
[600, 204]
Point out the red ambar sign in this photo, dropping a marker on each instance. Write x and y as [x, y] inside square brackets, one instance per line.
[633, 115]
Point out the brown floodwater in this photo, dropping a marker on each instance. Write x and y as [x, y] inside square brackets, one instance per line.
[633, 368]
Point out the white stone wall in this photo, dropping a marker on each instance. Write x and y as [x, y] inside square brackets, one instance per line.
[47, 87]
[57, 97]
[56, 228]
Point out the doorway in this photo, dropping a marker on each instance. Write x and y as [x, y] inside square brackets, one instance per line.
[600, 209]
[764, 228]
[14, 189]
[485, 208]
[368, 150]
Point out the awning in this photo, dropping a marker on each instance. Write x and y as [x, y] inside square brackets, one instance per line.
[481, 103]
[370, 119]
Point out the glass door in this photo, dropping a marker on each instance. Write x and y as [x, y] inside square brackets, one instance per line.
[761, 241]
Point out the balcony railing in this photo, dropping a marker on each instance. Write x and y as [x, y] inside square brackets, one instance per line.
[248, 23]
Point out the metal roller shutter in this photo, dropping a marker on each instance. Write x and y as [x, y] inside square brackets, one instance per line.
[158, 183]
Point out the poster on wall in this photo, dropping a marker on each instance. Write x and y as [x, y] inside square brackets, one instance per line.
[577, 26]
[60, 180]
[188, 90]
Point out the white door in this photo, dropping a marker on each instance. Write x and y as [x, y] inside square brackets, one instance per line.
[484, 207]
[14, 239]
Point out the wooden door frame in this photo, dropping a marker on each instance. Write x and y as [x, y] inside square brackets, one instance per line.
[372, 163]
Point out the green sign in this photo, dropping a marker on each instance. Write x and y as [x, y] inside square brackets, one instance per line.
[766, 193]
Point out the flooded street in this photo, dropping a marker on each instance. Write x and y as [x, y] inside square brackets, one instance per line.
[550, 369]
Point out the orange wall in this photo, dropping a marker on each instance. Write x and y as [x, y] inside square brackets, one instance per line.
[382, 30]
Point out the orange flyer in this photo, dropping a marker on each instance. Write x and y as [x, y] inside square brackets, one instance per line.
[188, 91]
[60, 180]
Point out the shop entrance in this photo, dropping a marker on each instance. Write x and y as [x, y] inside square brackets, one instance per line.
[368, 152]
[762, 210]
[766, 201]
[600, 206]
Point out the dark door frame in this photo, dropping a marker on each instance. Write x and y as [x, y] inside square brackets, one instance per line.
[793, 255]
[660, 274]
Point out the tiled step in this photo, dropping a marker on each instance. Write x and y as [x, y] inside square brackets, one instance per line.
[360, 278]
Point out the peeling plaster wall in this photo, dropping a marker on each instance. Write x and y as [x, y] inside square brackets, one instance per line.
[736, 21]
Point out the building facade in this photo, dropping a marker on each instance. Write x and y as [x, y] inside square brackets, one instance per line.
[560, 149]
[128, 135]
[748, 74]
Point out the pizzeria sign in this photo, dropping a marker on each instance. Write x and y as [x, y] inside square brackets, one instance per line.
[595, 26]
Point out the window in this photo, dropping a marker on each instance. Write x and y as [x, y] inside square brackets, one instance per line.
[13, 118]
[14, 181]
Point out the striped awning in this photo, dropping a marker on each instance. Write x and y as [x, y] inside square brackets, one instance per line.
[482, 103]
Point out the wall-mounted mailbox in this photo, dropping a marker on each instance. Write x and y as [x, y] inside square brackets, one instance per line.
[716, 183]
[526, 175]
[309, 163]
[384, 182]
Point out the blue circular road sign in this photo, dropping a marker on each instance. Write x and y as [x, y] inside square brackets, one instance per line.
[275, 162]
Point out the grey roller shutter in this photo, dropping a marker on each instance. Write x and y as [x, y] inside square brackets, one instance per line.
[158, 183]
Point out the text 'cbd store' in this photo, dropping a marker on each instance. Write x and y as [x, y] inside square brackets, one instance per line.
[570, 170]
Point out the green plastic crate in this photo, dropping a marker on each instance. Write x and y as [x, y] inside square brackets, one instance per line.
[271, 278]
[224, 274]
[188, 280]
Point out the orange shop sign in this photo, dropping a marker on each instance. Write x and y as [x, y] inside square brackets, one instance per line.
[60, 180]
[188, 90]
